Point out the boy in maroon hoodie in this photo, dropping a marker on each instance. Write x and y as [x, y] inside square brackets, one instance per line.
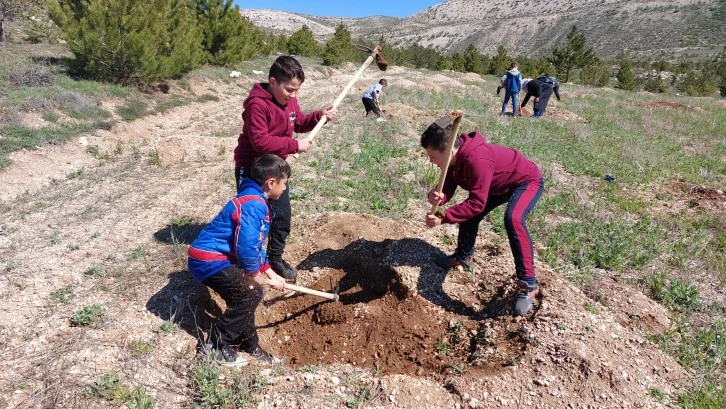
[270, 116]
[493, 175]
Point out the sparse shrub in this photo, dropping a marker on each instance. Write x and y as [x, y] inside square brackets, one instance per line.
[209, 392]
[88, 315]
[656, 283]
[155, 157]
[132, 109]
[655, 84]
[682, 296]
[140, 348]
[61, 295]
[34, 77]
[167, 328]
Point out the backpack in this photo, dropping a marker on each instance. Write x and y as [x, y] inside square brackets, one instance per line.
[548, 79]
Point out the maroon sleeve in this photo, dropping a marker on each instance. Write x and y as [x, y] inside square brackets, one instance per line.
[480, 179]
[255, 116]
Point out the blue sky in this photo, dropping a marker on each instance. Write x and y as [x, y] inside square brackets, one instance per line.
[343, 8]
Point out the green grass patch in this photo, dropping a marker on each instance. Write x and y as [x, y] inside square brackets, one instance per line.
[88, 315]
[241, 389]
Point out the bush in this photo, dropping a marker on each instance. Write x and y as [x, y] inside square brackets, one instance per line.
[228, 37]
[655, 84]
[129, 41]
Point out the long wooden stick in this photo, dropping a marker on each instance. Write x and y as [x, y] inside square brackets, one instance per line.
[449, 147]
[329, 296]
[347, 88]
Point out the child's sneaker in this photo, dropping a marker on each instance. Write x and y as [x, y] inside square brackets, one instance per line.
[525, 298]
[452, 261]
[265, 356]
[226, 354]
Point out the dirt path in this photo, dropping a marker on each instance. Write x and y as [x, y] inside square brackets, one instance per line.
[115, 235]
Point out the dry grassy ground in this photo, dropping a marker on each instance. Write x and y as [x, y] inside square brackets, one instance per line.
[80, 230]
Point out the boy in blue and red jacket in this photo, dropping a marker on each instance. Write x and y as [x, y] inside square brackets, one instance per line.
[228, 257]
[271, 114]
[493, 175]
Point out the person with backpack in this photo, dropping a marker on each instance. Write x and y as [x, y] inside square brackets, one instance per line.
[550, 79]
[541, 89]
[513, 84]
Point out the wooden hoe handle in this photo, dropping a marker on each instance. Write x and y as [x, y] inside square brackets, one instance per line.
[458, 114]
[329, 296]
[343, 93]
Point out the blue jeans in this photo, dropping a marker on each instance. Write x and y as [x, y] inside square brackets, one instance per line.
[513, 95]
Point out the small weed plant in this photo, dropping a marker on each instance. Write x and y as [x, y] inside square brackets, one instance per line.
[90, 314]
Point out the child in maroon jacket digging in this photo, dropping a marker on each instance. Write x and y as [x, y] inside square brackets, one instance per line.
[270, 115]
[493, 175]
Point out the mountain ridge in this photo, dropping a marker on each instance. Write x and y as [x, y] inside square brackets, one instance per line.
[641, 28]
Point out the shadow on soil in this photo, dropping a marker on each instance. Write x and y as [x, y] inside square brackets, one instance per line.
[182, 301]
[370, 265]
[174, 234]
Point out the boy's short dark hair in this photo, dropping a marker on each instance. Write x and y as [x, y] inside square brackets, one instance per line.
[436, 136]
[383, 82]
[285, 68]
[269, 166]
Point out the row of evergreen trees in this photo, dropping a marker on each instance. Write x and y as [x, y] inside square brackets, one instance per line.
[142, 41]
[138, 41]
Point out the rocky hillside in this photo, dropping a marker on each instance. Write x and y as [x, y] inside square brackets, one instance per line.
[644, 28]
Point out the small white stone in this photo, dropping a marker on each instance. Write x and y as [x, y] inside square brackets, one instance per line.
[335, 380]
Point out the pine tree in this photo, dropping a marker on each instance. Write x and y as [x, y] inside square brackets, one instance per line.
[129, 41]
[572, 55]
[340, 47]
[303, 43]
[625, 76]
[457, 62]
[500, 62]
[229, 37]
[473, 60]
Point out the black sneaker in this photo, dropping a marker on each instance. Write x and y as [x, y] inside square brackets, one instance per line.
[264, 356]
[283, 268]
[452, 261]
[226, 353]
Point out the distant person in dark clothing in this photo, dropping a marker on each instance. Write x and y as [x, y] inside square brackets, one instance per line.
[541, 91]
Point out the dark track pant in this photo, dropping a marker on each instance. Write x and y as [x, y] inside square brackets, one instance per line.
[371, 106]
[520, 202]
[242, 296]
[281, 217]
[541, 106]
